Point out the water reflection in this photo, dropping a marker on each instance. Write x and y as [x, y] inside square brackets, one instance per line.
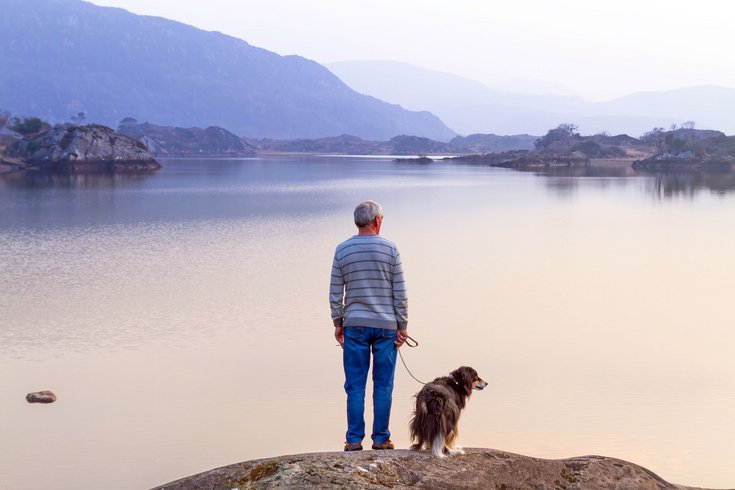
[565, 181]
[87, 180]
[689, 184]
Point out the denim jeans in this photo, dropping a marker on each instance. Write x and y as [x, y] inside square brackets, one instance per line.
[356, 360]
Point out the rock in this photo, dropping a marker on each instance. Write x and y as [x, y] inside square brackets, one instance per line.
[41, 397]
[85, 148]
[423, 159]
[400, 469]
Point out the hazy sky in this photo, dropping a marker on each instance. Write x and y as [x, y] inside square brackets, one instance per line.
[599, 49]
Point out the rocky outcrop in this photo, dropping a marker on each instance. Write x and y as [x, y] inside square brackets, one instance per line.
[68, 148]
[525, 160]
[479, 468]
[167, 141]
[41, 397]
[691, 150]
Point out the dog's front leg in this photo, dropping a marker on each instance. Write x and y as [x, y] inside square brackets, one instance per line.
[455, 450]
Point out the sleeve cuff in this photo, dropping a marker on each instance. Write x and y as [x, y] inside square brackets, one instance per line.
[337, 322]
[402, 325]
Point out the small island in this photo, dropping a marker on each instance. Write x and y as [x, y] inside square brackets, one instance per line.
[563, 146]
[688, 149]
[33, 145]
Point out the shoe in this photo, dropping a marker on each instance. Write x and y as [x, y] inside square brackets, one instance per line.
[353, 446]
[383, 445]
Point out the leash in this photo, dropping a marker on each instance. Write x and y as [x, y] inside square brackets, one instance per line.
[415, 344]
[409, 344]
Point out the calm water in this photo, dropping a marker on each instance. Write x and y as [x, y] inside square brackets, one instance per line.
[182, 318]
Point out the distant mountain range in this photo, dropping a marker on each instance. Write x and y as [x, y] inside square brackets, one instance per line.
[63, 57]
[468, 106]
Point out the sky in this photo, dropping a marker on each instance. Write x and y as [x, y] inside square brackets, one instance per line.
[593, 48]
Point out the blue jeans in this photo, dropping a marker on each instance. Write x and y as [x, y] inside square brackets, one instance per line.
[356, 360]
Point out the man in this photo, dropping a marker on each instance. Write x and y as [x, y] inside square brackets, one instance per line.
[367, 295]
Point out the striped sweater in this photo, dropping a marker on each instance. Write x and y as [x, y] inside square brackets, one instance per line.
[367, 287]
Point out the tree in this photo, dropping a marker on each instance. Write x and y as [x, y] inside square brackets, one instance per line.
[688, 125]
[4, 119]
[561, 137]
[29, 126]
[79, 117]
[128, 121]
[655, 136]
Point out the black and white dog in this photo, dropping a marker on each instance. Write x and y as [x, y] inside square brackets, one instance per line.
[438, 406]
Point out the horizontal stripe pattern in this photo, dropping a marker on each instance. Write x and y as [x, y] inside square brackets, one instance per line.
[367, 287]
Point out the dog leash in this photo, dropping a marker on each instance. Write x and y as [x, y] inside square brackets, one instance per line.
[415, 344]
[409, 344]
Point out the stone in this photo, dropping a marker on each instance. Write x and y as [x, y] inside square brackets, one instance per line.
[93, 147]
[402, 469]
[41, 397]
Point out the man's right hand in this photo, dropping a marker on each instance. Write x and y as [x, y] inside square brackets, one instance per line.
[339, 335]
[401, 336]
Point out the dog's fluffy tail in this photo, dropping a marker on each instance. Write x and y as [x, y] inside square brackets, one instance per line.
[431, 422]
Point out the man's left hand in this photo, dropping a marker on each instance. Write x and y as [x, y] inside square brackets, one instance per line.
[339, 336]
[401, 336]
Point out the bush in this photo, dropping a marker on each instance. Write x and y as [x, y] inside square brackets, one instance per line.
[29, 126]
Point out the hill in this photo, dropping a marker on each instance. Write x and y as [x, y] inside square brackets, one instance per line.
[398, 145]
[63, 57]
[166, 141]
[469, 106]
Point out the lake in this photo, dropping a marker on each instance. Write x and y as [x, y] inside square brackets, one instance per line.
[182, 317]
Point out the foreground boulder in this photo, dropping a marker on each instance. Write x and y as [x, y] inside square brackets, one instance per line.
[479, 468]
[41, 397]
[68, 148]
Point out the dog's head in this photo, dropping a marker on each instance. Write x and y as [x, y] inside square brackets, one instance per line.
[467, 377]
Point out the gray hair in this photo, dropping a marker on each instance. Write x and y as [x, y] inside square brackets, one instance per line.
[366, 212]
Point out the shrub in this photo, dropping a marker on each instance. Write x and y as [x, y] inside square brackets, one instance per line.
[29, 125]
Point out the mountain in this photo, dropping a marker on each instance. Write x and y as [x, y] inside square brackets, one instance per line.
[62, 57]
[469, 106]
[709, 106]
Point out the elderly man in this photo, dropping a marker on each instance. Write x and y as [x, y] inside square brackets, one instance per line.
[367, 295]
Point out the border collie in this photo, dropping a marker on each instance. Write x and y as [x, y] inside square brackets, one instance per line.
[438, 406]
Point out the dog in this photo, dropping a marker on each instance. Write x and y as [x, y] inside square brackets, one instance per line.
[438, 406]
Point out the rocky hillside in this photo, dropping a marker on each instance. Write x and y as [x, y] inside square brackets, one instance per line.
[63, 57]
[479, 468]
[167, 141]
[68, 148]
